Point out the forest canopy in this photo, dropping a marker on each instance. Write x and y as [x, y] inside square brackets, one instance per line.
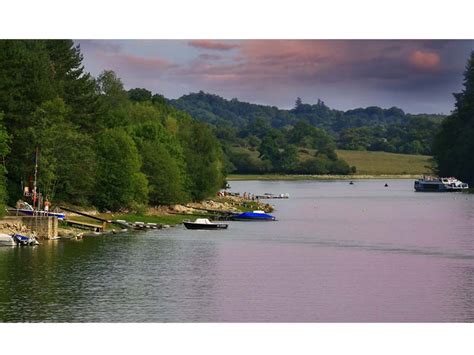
[98, 144]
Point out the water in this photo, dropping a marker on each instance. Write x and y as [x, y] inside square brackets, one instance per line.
[338, 253]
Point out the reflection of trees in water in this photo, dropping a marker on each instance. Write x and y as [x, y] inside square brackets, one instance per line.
[125, 278]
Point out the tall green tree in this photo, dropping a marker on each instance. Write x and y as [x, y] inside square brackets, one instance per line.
[73, 84]
[4, 150]
[203, 156]
[26, 81]
[120, 183]
[454, 145]
[113, 100]
[163, 163]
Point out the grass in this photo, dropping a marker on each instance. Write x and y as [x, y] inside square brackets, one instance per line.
[382, 163]
[369, 165]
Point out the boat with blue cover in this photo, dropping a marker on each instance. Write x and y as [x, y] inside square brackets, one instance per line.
[23, 240]
[254, 216]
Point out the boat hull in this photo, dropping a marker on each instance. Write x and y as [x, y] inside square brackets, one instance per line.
[212, 226]
[6, 240]
[421, 189]
[251, 216]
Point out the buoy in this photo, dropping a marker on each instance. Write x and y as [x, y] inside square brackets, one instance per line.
[386, 185]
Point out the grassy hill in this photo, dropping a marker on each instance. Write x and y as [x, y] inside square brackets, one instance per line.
[382, 163]
[367, 163]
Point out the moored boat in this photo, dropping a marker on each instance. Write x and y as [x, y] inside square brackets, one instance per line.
[28, 212]
[440, 184]
[272, 196]
[254, 216]
[6, 240]
[23, 240]
[204, 223]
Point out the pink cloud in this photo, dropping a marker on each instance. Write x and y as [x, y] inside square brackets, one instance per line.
[213, 45]
[425, 60]
[141, 66]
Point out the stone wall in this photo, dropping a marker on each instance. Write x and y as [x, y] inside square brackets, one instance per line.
[44, 227]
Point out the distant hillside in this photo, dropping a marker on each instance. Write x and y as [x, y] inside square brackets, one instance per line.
[371, 128]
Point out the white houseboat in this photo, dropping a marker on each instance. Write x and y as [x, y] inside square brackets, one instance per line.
[441, 184]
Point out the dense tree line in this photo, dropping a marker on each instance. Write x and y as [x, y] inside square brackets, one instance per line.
[371, 128]
[454, 145]
[98, 143]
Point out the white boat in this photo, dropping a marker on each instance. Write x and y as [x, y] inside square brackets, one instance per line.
[6, 240]
[272, 196]
[439, 184]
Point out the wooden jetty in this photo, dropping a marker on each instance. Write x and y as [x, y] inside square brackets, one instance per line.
[84, 225]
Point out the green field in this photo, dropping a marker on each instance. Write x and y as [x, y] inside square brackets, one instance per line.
[382, 163]
[368, 164]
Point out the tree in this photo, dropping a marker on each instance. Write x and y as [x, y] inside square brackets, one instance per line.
[113, 100]
[119, 184]
[139, 95]
[454, 145]
[76, 87]
[203, 156]
[25, 82]
[163, 163]
[165, 177]
[4, 150]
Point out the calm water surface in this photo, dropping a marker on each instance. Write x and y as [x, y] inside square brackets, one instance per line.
[338, 253]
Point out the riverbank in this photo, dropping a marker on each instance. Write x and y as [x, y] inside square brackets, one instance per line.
[152, 218]
[242, 177]
[174, 214]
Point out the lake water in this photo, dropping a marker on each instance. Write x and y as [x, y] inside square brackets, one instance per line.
[338, 253]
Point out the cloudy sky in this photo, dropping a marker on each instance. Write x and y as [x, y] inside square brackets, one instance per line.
[417, 76]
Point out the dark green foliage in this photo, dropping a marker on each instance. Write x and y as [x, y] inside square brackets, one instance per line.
[313, 166]
[246, 163]
[203, 157]
[357, 129]
[139, 95]
[75, 86]
[454, 145]
[4, 150]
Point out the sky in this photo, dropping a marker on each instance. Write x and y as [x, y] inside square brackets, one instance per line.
[419, 76]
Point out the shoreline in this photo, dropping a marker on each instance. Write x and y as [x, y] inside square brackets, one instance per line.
[278, 177]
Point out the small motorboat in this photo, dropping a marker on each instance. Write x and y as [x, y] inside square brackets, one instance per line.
[22, 240]
[254, 216]
[6, 240]
[204, 223]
